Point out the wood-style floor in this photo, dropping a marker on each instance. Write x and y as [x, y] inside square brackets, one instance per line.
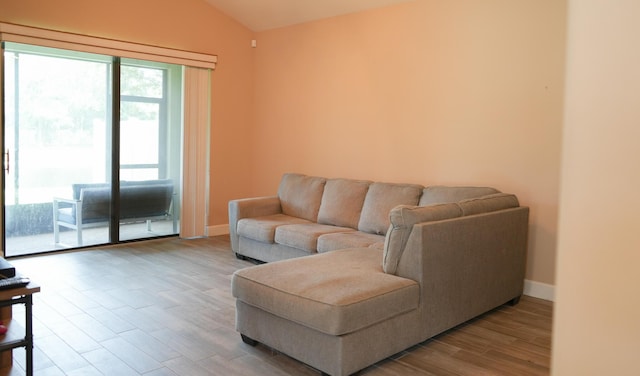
[164, 307]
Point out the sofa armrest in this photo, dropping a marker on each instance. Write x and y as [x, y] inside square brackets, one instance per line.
[467, 265]
[58, 200]
[250, 208]
[403, 218]
[60, 203]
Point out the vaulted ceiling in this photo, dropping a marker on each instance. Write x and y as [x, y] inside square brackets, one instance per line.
[260, 15]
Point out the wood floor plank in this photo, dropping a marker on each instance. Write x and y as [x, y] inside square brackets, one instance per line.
[150, 345]
[108, 363]
[496, 363]
[440, 363]
[89, 325]
[131, 355]
[62, 355]
[391, 368]
[164, 308]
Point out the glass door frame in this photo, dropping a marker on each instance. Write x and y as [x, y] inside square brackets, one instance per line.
[197, 72]
[112, 147]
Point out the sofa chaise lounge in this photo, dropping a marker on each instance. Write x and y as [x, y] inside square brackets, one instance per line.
[364, 293]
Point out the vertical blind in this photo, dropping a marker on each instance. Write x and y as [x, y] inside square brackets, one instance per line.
[195, 169]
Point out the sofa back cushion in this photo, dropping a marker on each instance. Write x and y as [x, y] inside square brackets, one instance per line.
[402, 219]
[138, 201]
[489, 203]
[342, 202]
[380, 199]
[300, 195]
[96, 204]
[78, 187]
[438, 194]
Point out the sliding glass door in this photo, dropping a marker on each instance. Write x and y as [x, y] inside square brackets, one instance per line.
[92, 149]
[149, 148]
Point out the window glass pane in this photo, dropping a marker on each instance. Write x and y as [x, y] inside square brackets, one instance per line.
[139, 174]
[142, 82]
[139, 133]
[57, 122]
[57, 131]
[150, 146]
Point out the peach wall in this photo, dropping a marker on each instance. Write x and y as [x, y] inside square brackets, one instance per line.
[188, 25]
[429, 92]
[596, 321]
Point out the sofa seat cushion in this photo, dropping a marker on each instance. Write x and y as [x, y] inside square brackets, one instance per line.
[263, 229]
[377, 245]
[335, 293]
[66, 215]
[354, 239]
[305, 235]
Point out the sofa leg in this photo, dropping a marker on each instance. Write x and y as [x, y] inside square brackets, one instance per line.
[79, 235]
[248, 341]
[240, 257]
[514, 301]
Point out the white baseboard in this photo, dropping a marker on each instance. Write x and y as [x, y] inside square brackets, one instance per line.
[539, 290]
[217, 230]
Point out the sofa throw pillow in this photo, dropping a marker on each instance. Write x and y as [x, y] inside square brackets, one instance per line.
[342, 202]
[402, 220]
[380, 199]
[300, 195]
[439, 194]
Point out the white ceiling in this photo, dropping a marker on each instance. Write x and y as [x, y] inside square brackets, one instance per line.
[260, 15]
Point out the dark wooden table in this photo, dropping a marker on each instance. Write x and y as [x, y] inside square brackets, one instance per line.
[15, 336]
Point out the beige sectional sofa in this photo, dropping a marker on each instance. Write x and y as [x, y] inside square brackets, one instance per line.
[407, 262]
